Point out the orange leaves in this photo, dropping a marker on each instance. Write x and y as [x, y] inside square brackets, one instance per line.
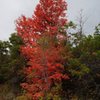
[42, 47]
[37, 95]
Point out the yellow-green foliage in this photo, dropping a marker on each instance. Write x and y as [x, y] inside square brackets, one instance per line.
[23, 97]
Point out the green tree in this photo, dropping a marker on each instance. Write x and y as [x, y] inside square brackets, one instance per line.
[4, 60]
[17, 61]
[11, 63]
[88, 53]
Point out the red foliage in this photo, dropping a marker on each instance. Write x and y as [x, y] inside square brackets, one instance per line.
[42, 46]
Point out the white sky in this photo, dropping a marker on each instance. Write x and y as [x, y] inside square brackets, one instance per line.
[10, 10]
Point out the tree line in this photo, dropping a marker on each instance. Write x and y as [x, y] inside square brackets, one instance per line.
[46, 60]
[83, 66]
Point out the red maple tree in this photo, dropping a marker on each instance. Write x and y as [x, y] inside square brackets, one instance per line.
[42, 36]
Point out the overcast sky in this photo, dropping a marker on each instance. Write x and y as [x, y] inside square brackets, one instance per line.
[10, 10]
